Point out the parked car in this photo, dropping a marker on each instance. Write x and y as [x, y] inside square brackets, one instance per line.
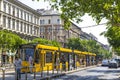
[105, 62]
[113, 64]
[118, 60]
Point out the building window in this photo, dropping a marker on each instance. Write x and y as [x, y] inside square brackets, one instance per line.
[24, 27]
[28, 29]
[9, 23]
[21, 27]
[34, 30]
[58, 21]
[49, 21]
[42, 29]
[49, 29]
[13, 11]
[31, 29]
[13, 24]
[17, 12]
[25, 15]
[35, 20]
[4, 21]
[28, 16]
[21, 14]
[42, 37]
[57, 29]
[42, 21]
[31, 19]
[9, 8]
[17, 26]
[37, 30]
[4, 4]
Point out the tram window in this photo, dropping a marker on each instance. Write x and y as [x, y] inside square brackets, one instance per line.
[37, 56]
[48, 57]
[22, 54]
[63, 57]
[25, 53]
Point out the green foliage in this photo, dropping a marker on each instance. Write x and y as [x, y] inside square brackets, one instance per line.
[45, 42]
[113, 35]
[97, 9]
[87, 45]
[9, 41]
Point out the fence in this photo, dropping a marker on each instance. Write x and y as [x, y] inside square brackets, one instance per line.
[7, 73]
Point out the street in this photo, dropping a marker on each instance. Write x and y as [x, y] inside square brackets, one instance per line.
[97, 73]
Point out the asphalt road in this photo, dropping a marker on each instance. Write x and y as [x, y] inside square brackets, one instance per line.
[97, 73]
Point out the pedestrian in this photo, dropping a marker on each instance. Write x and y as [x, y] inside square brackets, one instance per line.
[30, 63]
[18, 65]
[63, 62]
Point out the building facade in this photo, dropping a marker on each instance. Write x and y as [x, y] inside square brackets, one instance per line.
[74, 31]
[19, 18]
[51, 27]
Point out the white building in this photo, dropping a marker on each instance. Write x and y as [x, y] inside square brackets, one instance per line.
[51, 25]
[19, 18]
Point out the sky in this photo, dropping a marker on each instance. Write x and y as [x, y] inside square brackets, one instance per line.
[87, 20]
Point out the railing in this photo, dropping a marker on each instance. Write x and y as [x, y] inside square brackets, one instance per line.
[9, 73]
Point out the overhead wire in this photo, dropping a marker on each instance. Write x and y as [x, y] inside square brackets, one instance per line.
[93, 25]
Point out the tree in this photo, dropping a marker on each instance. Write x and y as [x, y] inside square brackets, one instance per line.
[97, 9]
[9, 41]
[88, 45]
[113, 35]
[74, 43]
[45, 42]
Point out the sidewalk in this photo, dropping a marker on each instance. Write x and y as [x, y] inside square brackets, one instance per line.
[10, 75]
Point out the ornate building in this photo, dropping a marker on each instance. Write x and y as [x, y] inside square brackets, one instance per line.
[19, 18]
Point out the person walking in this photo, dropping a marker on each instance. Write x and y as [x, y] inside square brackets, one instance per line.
[30, 63]
[18, 65]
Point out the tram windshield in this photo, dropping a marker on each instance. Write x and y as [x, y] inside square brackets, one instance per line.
[25, 53]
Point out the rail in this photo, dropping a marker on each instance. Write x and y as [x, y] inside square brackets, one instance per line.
[6, 72]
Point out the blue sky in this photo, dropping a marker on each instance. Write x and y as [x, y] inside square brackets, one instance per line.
[87, 20]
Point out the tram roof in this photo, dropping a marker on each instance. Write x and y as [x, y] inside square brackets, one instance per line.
[78, 52]
[65, 50]
[47, 47]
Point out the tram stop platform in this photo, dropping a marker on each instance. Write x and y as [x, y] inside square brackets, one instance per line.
[9, 74]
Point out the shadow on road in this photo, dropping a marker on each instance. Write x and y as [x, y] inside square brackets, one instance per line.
[75, 77]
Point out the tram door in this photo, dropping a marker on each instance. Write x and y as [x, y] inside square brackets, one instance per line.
[56, 60]
[70, 61]
[37, 60]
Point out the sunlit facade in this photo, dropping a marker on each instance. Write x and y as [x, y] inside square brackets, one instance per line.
[19, 18]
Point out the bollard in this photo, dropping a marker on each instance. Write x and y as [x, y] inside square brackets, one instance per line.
[65, 67]
[3, 70]
[42, 71]
[26, 74]
[47, 70]
[53, 70]
[15, 74]
[57, 68]
[34, 74]
[61, 68]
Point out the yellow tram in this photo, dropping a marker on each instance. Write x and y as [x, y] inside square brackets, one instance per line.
[50, 57]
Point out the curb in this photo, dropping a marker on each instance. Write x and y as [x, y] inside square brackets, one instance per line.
[68, 72]
[53, 76]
